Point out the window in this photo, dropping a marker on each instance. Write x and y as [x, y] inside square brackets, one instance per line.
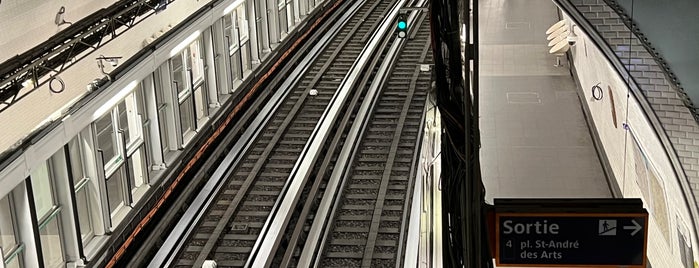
[51, 248]
[43, 194]
[178, 75]
[11, 250]
[106, 138]
[195, 62]
[82, 207]
[243, 30]
[138, 178]
[186, 117]
[162, 106]
[242, 25]
[130, 121]
[231, 37]
[187, 69]
[282, 8]
[83, 201]
[47, 213]
[127, 173]
[144, 121]
[115, 191]
[7, 231]
[236, 32]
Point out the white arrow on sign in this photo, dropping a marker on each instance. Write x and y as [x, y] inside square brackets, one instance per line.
[635, 227]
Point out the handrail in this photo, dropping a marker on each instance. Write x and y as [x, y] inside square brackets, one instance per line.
[585, 25]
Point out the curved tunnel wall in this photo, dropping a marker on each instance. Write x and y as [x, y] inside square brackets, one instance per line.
[672, 27]
[637, 158]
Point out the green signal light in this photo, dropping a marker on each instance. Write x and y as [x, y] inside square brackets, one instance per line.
[402, 25]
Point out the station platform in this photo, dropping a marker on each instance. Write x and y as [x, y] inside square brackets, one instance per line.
[535, 139]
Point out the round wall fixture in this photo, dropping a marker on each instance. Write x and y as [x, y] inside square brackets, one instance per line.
[597, 93]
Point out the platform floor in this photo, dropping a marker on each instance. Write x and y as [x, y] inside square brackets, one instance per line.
[535, 140]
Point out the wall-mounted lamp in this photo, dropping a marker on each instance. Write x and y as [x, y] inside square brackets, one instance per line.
[59, 17]
[111, 60]
[572, 37]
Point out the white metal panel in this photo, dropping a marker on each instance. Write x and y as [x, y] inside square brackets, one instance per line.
[13, 175]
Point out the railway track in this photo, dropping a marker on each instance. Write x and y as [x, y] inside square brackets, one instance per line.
[367, 219]
[233, 224]
[255, 216]
[371, 217]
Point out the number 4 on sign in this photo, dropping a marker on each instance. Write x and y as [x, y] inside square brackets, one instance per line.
[509, 243]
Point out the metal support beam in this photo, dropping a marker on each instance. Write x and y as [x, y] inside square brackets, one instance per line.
[23, 74]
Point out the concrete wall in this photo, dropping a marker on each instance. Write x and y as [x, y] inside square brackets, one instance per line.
[43, 106]
[17, 35]
[653, 181]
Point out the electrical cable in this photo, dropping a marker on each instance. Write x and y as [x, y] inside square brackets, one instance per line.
[626, 126]
[597, 93]
[60, 81]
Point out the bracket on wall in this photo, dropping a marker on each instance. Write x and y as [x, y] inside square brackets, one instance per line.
[59, 17]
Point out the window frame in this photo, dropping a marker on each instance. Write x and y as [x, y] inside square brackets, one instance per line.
[16, 251]
[53, 214]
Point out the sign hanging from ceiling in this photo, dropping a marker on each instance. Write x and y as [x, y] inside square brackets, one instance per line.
[571, 239]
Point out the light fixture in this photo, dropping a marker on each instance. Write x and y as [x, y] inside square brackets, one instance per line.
[114, 100]
[184, 43]
[572, 37]
[28, 83]
[232, 6]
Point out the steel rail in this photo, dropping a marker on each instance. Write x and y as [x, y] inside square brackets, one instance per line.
[263, 157]
[388, 168]
[185, 226]
[334, 145]
[412, 213]
[265, 247]
[321, 221]
[233, 247]
[242, 192]
[309, 254]
[226, 120]
[406, 209]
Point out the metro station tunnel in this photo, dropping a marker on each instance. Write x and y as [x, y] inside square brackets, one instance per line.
[337, 133]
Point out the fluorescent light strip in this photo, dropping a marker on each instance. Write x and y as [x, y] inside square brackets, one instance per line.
[232, 6]
[114, 100]
[184, 43]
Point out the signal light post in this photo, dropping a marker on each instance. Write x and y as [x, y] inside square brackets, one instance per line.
[402, 26]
